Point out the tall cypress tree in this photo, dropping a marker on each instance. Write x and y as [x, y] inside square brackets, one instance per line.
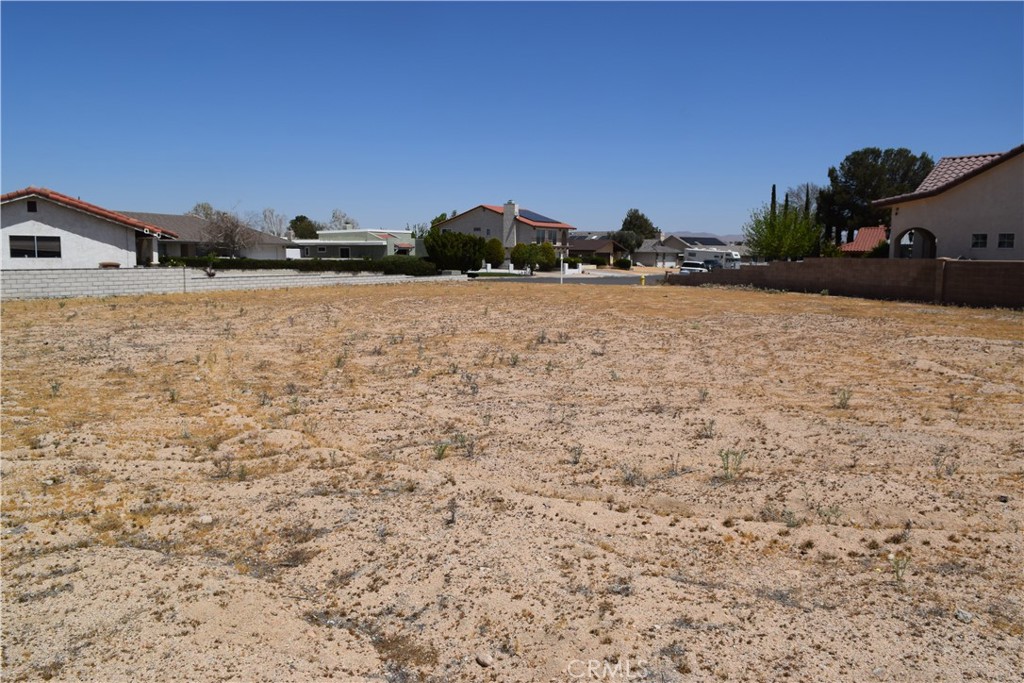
[772, 216]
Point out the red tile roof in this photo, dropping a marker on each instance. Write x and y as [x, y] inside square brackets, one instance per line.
[949, 172]
[865, 240]
[79, 205]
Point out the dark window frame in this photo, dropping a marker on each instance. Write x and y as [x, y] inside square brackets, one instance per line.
[32, 206]
[51, 246]
[979, 240]
[1006, 240]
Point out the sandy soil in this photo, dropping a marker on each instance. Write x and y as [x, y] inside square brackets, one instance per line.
[511, 482]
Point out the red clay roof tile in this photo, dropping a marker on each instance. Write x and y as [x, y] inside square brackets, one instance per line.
[951, 171]
[73, 203]
[865, 240]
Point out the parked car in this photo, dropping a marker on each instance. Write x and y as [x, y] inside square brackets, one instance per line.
[690, 267]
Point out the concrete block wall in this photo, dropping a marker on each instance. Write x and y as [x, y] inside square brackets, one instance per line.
[35, 284]
[971, 283]
[40, 284]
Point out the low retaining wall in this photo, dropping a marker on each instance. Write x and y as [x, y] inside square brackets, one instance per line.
[970, 283]
[42, 284]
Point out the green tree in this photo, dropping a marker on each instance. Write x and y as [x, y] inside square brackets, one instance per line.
[547, 259]
[442, 217]
[454, 250]
[629, 240]
[638, 223]
[524, 255]
[864, 176]
[494, 252]
[303, 228]
[789, 235]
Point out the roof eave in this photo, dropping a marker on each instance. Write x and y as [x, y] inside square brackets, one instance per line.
[88, 208]
[914, 196]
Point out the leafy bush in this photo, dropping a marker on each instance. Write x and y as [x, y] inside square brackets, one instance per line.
[494, 252]
[881, 250]
[389, 265]
[573, 262]
[597, 260]
[523, 255]
[547, 259]
[454, 250]
[623, 264]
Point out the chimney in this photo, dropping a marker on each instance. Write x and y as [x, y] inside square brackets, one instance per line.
[508, 224]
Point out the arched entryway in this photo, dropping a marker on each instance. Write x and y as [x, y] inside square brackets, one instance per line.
[913, 243]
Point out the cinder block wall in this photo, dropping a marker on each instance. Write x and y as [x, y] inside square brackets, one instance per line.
[39, 284]
[971, 283]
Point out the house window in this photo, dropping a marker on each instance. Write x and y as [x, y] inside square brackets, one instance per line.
[32, 207]
[488, 233]
[979, 240]
[34, 247]
[321, 250]
[343, 252]
[1005, 240]
[305, 251]
[476, 229]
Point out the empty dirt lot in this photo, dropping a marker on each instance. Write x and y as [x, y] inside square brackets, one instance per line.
[511, 482]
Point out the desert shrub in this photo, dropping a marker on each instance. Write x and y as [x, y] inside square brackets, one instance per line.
[732, 463]
[597, 260]
[623, 264]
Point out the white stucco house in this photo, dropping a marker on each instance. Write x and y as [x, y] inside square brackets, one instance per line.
[511, 224]
[43, 229]
[968, 207]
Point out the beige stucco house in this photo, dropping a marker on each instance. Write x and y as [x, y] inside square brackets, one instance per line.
[968, 207]
[511, 224]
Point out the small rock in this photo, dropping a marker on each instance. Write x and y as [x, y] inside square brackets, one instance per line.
[206, 519]
[1003, 499]
[484, 659]
[964, 616]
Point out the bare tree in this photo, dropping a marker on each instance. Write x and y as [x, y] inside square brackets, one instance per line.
[227, 234]
[202, 210]
[342, 221]
[798, 197]
[269, 221]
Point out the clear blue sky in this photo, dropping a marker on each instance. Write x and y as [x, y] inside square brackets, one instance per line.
[395, 112]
